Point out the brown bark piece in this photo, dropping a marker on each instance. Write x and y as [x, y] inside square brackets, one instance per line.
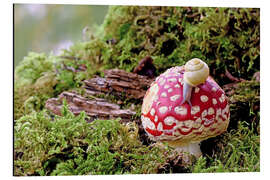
[146, 67]
[119, 82]
[116, 82]
[94, 107]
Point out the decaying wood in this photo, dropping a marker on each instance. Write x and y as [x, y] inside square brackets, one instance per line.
[119, 82]
[94, 107]
[115, 82]
[146, 67]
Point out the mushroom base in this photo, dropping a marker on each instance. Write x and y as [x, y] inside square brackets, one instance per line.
[192, 148]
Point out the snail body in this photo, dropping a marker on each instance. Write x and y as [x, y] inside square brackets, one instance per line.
[196, 72]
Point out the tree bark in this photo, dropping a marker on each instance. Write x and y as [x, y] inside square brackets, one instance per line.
[95, 108]
[118, 82]
[115, 82]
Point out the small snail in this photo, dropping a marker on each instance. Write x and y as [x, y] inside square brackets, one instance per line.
[196, 72]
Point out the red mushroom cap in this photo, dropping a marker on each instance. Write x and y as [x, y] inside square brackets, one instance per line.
[165, 119]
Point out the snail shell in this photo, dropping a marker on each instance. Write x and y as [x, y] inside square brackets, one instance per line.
[196, 72]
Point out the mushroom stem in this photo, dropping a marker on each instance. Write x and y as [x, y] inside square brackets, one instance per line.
[192, 148]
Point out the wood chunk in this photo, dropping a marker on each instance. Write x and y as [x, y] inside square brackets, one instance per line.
[115, 82]
[119, 82]
[94, 107]
[146, 67]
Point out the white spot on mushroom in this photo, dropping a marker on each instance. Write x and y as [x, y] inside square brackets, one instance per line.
[214, 101]
[195, 109]
[169, 120]
[201, 129]
[163, 109]
[208, 121]
[152, 112]
[224, 111]
[214, 89]
[179, 124]
[166, 86]
[170, 90]
[180, 80]
[218, 113]
[160, 127]
[149, 97]
[172, 80]
[222, 98]
[197, 123]
[175, 97]
[164, 94]
[189, 123]
[185, 129]
[162, 81]
[177, 86]
[204, 98]
[147, 123]
[211, 111]
[156, 118]
[204, 113]
[197, 89]
[168, 131]
[155, 98]
[180, 110]
[176, 133]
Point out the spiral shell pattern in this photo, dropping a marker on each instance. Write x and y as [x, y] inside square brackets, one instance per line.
[196, 72]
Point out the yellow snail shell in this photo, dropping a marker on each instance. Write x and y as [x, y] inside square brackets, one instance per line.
[196, 72]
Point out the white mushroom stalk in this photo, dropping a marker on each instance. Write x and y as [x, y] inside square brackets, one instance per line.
[191, 148]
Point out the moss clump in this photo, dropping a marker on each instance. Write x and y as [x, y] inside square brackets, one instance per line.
[245, 104]
[32, 67]
[31, 97]
[39, 77]
[226, 38]
[69, 145]
[236, 151]
[35, 81]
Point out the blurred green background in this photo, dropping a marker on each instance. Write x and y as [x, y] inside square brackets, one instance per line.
[50, 28]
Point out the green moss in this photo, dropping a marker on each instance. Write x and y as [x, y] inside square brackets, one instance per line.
[245, 104]
[32, 67]
[69, 145]
[238, 151]
[226, 38]
[34, 83]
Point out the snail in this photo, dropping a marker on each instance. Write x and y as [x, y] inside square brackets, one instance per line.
[196, 72]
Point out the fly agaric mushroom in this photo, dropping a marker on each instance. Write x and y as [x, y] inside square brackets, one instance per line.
[184, 106]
